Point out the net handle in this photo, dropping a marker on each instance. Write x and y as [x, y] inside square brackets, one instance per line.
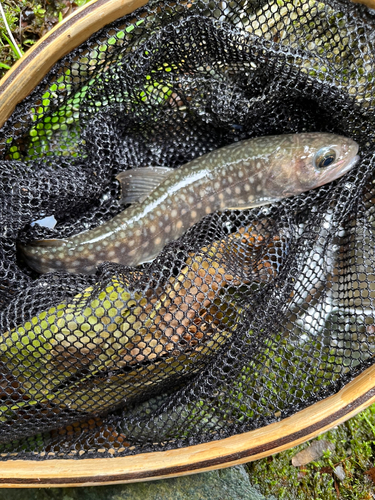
[62, 39]
[274, 438]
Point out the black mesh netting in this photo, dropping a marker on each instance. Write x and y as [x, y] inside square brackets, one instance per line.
[251, 315]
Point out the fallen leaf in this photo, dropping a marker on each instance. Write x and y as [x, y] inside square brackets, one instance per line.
[371, 474]
[313, 452]
[326, 470]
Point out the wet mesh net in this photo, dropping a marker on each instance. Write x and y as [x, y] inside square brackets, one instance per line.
[248, 317]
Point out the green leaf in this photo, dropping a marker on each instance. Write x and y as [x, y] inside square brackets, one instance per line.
[13, 47]
[81, 3]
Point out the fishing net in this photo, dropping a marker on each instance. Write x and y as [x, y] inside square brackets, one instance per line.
[248, 317]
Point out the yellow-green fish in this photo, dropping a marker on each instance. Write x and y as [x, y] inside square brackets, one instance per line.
[74, 354]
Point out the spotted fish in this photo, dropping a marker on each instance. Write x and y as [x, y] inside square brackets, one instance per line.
[166, 202]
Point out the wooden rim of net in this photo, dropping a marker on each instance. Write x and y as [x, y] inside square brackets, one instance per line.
[302, 426]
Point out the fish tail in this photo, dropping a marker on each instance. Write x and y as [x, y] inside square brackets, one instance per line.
[41, 256]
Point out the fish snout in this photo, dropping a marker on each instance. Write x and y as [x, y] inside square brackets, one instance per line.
[350, 149]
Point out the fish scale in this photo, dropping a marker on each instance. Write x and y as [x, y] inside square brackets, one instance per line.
[167, 202]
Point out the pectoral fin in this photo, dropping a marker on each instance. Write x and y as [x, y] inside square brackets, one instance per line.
[138, 183]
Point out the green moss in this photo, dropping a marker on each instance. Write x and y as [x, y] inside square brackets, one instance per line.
[354, 451]
[29, 20]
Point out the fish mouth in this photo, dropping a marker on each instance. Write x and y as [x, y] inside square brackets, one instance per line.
[349, 166]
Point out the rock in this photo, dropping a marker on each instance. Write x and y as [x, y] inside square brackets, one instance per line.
[339, 472]
[225, 484]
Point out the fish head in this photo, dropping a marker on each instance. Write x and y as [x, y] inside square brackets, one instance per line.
[319, 158]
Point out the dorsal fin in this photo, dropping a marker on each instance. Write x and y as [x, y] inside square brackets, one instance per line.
[137, 183]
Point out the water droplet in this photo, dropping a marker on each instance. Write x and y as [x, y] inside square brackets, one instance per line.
[266, 210]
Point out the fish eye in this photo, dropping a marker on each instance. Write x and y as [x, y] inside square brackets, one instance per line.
[324, 158]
